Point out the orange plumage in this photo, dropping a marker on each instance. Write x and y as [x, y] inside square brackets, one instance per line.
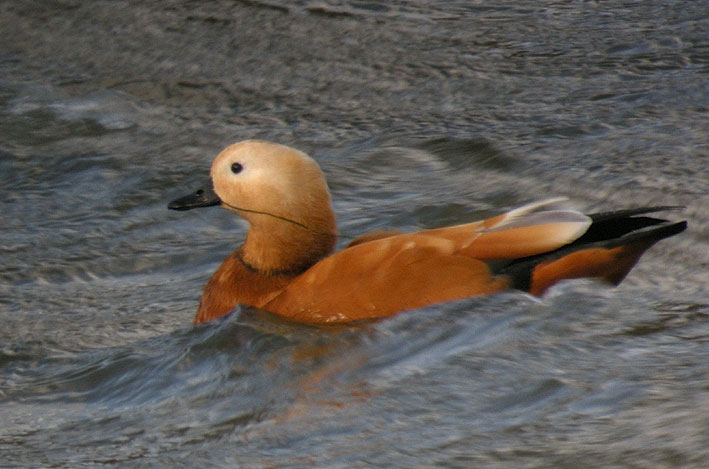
[286, 265]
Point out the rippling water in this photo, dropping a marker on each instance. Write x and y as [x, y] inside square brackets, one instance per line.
[422, 114]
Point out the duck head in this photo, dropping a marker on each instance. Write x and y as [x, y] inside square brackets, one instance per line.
[283, 195]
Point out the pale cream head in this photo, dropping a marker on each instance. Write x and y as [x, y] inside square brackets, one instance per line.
[255, 177]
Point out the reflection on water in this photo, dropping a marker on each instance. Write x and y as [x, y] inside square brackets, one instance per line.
[422, 115]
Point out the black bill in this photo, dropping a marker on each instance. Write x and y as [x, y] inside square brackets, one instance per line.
[205, 197]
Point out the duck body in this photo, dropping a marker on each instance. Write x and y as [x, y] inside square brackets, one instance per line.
[286, 265]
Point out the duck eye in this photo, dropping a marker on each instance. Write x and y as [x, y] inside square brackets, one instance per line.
[236, 168]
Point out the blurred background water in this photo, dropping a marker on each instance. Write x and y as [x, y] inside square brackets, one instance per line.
[421, 114]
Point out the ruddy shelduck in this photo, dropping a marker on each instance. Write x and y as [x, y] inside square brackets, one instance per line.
[286, 264]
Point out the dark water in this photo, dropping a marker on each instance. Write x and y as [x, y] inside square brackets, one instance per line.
[421, 114]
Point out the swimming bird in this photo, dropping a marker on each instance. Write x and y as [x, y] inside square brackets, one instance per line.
[287, 266]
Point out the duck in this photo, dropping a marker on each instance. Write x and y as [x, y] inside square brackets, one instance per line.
[287, 264]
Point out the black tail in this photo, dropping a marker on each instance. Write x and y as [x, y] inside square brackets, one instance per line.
[611, 225]
[607, 231]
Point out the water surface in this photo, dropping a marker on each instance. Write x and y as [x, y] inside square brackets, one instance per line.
[422, 114]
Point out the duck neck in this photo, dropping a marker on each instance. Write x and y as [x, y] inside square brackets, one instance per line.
[278, 247]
